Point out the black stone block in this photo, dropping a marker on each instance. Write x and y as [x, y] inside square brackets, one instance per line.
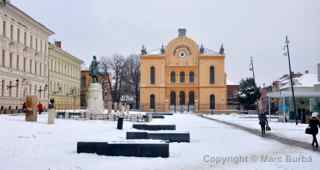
[137, 135]
[154, 127]
[125, 149]
[157, 116]
[170, 137]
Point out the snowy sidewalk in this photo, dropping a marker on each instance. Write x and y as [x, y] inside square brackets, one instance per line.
[285, 133]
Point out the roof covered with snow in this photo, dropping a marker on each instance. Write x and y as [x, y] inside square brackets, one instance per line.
[305, 80]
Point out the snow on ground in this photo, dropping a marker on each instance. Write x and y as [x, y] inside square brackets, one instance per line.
[288, 130]
[39, 146]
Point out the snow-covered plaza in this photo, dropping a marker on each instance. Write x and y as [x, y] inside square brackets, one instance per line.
[39, 146]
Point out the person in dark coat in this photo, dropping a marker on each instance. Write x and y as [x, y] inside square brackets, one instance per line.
[40, 108]
[313, 124]
[263, 121]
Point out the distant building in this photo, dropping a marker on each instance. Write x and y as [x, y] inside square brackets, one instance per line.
[183, 76]
[85, 83]
[307, 94]
[64, 77]
[233, 95]
[23, 58]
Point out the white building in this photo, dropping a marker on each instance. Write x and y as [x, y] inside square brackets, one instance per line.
[307, 94]
[23, 57]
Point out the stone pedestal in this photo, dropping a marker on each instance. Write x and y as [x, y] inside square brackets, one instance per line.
[51, 116]
[95, 100]
[31, 111]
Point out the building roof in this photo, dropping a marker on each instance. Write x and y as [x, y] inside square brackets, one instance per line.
[305, 80]
[10, 5]
[207, 51]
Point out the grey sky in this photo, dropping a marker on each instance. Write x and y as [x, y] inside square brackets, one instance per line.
[246, 28]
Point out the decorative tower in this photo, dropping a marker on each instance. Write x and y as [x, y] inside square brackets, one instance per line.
[221, 51]
[143, 50]
[201, 49]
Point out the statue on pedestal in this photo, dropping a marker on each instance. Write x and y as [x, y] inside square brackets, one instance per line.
[95, 99]
[93, 69]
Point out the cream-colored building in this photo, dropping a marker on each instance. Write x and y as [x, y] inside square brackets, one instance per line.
[23, 57]
[64, 77]
[183, 76]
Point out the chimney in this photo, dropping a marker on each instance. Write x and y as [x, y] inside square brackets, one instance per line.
[182, 32]
[58, 44]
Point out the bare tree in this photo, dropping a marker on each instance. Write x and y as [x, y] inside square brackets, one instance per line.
[133, 77]
[125, 73]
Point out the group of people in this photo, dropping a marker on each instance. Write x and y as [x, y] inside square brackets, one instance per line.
[313, 128]
[40, 107]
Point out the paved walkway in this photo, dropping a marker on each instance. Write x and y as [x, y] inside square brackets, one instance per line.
[271, 136]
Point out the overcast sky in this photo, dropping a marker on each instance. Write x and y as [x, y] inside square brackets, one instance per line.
[246, 28]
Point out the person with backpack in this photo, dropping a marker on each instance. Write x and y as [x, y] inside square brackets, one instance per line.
[313, 129]
[263, 121]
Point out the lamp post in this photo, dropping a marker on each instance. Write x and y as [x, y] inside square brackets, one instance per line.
[291, 78]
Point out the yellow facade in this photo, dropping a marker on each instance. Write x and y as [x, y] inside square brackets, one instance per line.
[64, 78]
[171, 68]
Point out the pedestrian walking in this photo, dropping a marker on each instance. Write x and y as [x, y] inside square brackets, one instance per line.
[24, 107]
[263, 121]
[313, 129]
[40, 108]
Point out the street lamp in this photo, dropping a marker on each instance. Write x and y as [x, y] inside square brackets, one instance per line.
[291, 78]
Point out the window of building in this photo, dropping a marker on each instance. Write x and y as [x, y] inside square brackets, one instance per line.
[152, 75]
[152, 102]
[40, 69]
[4, 28]
[25, 38]
[2, 87]
[18, 35]
[10, 59]
[191, 98]
[17, 89]
[31, 41]
[212, 75]
[11, 32]
[191, 77]
[36, 44]
[173, 98]
[10, 89]
[35, 90]
[24, 64]
[182, 100]
[35, 67]
[182, 77]
[3, 58]
[30, 66]
[173, 77]
[18, 62]
[212, 102]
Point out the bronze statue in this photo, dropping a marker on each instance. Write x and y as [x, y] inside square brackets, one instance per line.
[94, 70]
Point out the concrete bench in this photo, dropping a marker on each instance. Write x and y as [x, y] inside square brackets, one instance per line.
[61, 114]
[160, 113]
[153, 127]
[171, 137]
[125, 149]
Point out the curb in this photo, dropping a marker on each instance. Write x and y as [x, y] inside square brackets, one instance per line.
[271, 136]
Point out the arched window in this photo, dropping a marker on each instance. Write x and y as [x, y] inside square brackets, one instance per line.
[191, 77]
[182, 100]
[173, 77]
[152, 101]
[182, 77]
[212, 76]
[212, 102]
[152, 75]
[191, 98]
[173, 98]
